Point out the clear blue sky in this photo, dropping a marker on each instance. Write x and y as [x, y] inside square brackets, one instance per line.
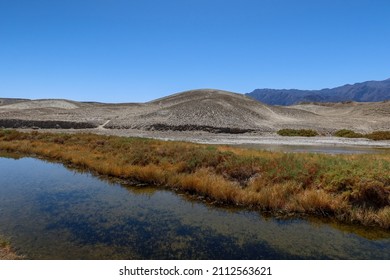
[139, 50]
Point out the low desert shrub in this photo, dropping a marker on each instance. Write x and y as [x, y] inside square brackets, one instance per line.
[346, 133]
[379, 135]
[297, 132]
[376, 135]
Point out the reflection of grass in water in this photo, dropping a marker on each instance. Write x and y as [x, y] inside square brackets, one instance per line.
[160, 234]
[3, 242]
[362, 231]
[6, 154]
[349, 188]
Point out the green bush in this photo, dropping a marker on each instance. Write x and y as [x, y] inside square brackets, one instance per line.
[346, 133]
[298, 132]
[377, 135]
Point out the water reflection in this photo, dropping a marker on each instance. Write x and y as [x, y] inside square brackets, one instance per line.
[49, 212]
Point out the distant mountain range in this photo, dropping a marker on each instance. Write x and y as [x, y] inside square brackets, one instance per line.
[371, 91]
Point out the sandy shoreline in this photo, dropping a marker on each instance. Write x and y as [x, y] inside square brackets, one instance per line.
[279, 140]
[231, 139]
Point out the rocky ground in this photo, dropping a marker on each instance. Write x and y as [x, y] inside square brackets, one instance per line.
[206, 116]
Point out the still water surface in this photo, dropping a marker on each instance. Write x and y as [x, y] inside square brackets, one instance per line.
[50, 212]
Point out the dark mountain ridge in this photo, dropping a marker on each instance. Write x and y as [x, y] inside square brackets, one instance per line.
[370, 91]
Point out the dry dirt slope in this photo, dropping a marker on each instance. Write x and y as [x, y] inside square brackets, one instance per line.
[203, 110]
[210, 110]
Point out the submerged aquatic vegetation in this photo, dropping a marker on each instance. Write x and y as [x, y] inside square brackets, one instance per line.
[350, 188]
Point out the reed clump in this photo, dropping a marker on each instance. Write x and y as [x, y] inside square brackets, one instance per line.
[350, 188]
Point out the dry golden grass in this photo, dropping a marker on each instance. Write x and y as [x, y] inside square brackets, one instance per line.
[354, 188]
[6, 252]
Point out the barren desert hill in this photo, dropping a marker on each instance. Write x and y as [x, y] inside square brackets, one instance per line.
[44, 113]
[369, 109]
[199, 94]
[214, 98]
[42, 103]
[210, 110]
[205, 110]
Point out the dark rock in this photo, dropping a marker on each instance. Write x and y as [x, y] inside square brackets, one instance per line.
[35, 124]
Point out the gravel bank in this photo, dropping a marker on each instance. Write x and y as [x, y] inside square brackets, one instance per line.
[230, 139]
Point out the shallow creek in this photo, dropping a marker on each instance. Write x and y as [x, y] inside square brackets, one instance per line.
[50, 212]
